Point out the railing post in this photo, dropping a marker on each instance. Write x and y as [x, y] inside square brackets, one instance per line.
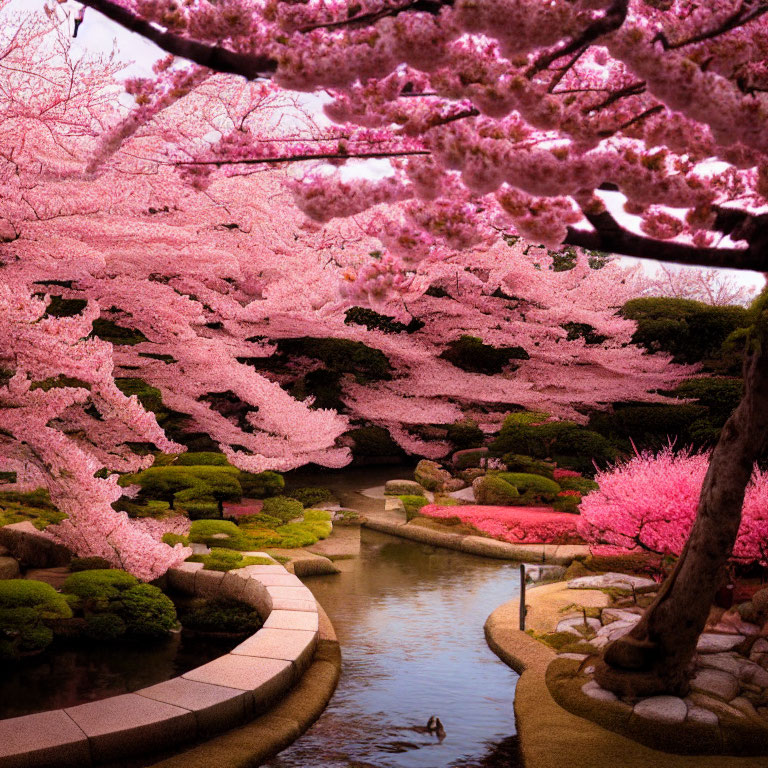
[522, 597]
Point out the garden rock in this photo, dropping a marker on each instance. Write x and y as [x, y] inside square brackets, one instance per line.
[465, 494]
[724, 661]
[711, 643]
[701, 715]
[431, 475]
[716, 682]
[665, 709]
[454, 484]
[9, 568]
[32, 547]
[609, 580]
[760, 601]
[403, 488]
[576, 626]
[594, 691]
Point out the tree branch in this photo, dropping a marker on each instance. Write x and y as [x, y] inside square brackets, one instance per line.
[250, 66]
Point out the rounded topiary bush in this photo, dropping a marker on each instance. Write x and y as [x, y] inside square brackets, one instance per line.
[532, 488]
[261, 485]
[283, 508]
[311, 496]
[218, 533]
[493, 489]
[147, 612]
[98, 586]
[26, 609]
[88, 564]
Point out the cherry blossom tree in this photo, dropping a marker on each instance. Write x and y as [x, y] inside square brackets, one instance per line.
[543, 119]
[710, 286]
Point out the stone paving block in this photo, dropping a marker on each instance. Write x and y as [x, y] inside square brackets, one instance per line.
[232, 586]
[182, 577]
[266, 678]
[261, 568]
[293, 645]
[207, 583]
[255, 594]
[289, 593]
[131, 724]
[42, 740]
[279, 580]
[216, 707]
[286, 604]
[306, 620]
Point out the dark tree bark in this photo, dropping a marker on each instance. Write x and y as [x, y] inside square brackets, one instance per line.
[654, 657]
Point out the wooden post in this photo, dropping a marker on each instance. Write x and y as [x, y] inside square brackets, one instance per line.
[522, 597]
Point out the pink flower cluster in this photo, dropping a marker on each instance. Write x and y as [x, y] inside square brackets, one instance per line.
[560, 474]
[650, 502]
[517, 525]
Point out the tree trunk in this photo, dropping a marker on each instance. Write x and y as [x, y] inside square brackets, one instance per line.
[654, 657]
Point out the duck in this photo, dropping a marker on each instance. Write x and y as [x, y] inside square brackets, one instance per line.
[435, 726]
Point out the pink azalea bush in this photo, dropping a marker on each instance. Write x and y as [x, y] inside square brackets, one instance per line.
[517, 525]
[649, 503]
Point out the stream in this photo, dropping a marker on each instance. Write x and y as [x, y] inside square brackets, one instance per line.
[409, 618]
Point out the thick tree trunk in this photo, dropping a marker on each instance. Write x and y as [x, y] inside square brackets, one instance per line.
[654, 657]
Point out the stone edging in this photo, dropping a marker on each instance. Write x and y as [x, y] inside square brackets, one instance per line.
[550, 736]
[224, 693]
[557, 554]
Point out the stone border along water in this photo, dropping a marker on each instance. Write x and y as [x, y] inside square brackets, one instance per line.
[556, 554]
[552, 736]
[217, 696]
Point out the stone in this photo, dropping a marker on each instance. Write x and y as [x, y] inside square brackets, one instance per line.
[711, 643]
[465, 494]
[453, 484]
[616, 629]
[665, 709]
[609, 580]
[760, 646]
[716, 682]
[538, 573]
[9, 568]
[745, 706]
[575, 625]
[182, 577]
[31, 547]
[131, 724]
[719, 707]
[280, 580]
[293, 645]
[575, 656]
[617, 614]
[42, 740]
[594, 691]
[733, 624]
[266, 678]
[304, 620]
[724, 661]
[701, 715]
[754, 674]
[207, 583]
[215, 707]
[403, 488]
[53, 576]
[232, 585]
[760, 601]
[430, 475]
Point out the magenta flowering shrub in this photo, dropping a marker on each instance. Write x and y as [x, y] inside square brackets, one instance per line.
[560, 474]
[649, 503]
[517, 525]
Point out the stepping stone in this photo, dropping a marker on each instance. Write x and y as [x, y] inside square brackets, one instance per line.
[715, 682]
[53, 576]
[608, 580]
[594, 691]
[711, 643]
[401, 488]
[754, 674]
[665, 709]
[575, 624]
[701, 715]
[725, 661]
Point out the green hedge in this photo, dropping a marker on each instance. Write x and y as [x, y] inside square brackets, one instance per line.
[465, 434]
[283, 508]
[469, 353]
[520, 463]
[310, 496]
[202, 458]
[495, 490]
[413, 505]
[220, 616]
[532, 487]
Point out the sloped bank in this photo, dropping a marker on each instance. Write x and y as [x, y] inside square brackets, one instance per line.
[289, 651]
[551, 736]
[392, 521]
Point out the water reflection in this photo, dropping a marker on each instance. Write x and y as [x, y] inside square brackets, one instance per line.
[410, 621]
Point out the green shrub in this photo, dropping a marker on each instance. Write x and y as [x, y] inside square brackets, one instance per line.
[469, 353]
[227, 560]
[311, 495]
[202, 458]
[532, 488]
[315, 515]
[581, 484]
[261, 485]
[218, 533]
[690, 331]
[517, 462]
[283, 508]
[88, 564]
[340, 356]
[104, 626]
[150, 397]
[465, 434]
[567, 504]
[373, 321]
[413, 505]
[201, 510]
[26, 607]
[220, 616]
[493, 489]
[99, 586]
[172, 539]
[470, 459]
[568, 444]
[147, 612]
[374, 443]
